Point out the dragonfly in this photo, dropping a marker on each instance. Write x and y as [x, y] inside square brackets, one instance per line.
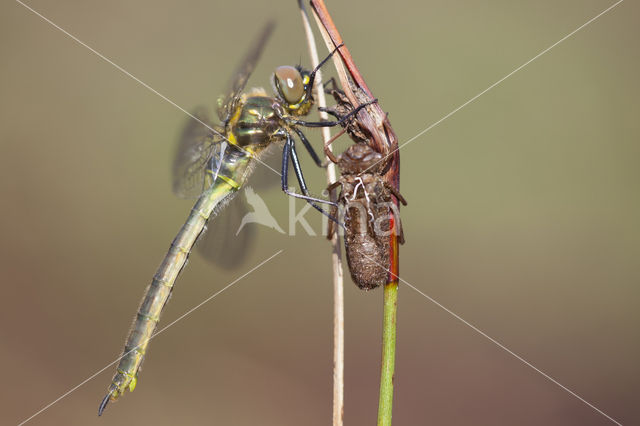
[213, 162]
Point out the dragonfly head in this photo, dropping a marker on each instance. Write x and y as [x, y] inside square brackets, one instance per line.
[293, 87]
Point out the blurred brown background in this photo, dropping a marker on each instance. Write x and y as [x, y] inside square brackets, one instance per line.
[523, 217]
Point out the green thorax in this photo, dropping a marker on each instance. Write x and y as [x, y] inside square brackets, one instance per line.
[256, 124]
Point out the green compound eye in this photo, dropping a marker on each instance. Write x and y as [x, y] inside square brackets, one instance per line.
[289, 83]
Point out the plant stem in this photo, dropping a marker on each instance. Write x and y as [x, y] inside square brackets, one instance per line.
[336, 254]
[388, 353]
[383, 140]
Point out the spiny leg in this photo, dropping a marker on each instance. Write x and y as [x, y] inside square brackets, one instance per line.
[329, 123]
[312, 74]
[327, 151]
[335, 210]
[333, 83]
[289, 149]
[303, 186]
[309, 147]
[330, 112]
[396, 211]
[395, 192]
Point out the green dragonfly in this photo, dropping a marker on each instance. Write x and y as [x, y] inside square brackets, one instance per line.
[213, 162]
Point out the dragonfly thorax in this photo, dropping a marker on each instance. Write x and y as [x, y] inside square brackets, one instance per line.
[257, 123]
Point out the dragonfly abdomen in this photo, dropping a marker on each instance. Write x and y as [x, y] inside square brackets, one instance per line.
[158, 292]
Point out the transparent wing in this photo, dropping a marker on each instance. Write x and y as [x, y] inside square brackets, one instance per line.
[230, 235]
[227, 103]
[195, 149]
[225, 243]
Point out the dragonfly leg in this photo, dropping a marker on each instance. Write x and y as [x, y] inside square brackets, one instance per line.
[329, 111]
[334, 209]
[396, 193]
[396, 211]
[309, 147]
[290, 150]
[332, 82]
[312, 74]
[327, 151]
[329, 123]
[303, 185]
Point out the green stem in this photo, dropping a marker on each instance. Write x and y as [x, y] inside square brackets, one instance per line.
[388, 353]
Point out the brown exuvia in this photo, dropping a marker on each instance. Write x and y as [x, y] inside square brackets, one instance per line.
[365, 206]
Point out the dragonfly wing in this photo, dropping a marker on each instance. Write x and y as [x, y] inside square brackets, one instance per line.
[196, 146]
[266, 174]
[227, 103]
[231, 233]
[227, 243]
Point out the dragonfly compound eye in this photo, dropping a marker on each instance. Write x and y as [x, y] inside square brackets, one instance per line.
[289, 84]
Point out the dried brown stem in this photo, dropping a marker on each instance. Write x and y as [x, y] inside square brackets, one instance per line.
[336, 254]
